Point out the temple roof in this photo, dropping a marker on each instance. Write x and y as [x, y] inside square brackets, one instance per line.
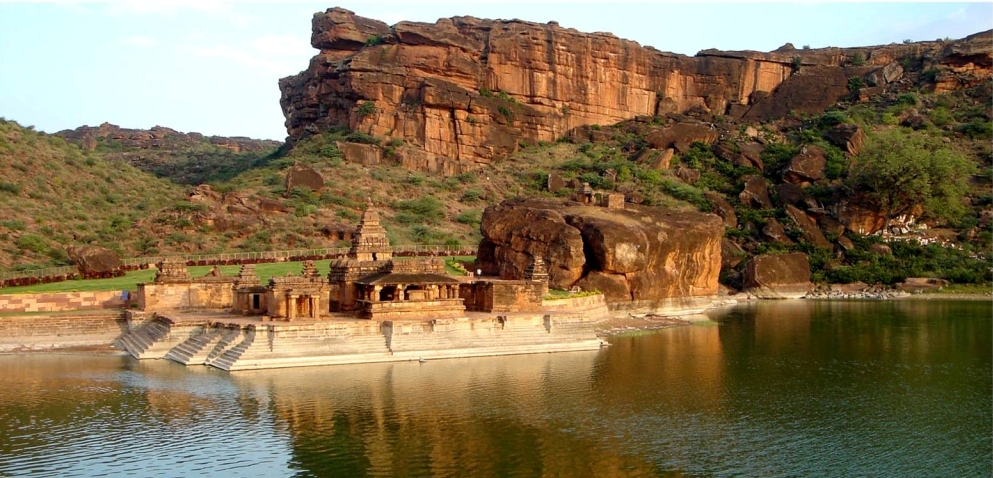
[387, 278]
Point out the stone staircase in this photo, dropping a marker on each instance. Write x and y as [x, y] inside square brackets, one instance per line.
[196, 350]
[227, 359]
[149, 341]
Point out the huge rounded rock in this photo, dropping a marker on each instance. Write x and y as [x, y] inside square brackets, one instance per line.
[94, 260]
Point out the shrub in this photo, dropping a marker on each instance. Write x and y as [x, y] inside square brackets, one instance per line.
[858, 59]
[687, 193]
[374, 40]
[366, 108]
[424, 209]
[32, 242]
[470, 217]
[360, 137]
[977, 129]
[855, 83]
[10, 188]
[471, 196]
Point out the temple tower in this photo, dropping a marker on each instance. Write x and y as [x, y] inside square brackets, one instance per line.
[369, 243]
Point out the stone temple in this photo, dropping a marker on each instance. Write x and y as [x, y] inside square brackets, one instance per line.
[371, 307]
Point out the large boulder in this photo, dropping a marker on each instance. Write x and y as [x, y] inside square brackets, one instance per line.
[680, 136]
[756, 193]
[722, 208]
[810, 232]
[636, 255]
[807, 166]
[303, 176]
[848, 137]
[778, 276]
[94, 260]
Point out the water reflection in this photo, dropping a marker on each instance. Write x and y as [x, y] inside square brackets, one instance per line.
[768, 389]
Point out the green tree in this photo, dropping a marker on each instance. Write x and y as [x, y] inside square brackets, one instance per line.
[900, 169]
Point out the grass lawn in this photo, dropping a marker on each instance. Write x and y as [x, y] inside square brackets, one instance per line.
[130, 280]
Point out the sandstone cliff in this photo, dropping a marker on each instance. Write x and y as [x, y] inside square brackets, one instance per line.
[636, 256]
[463, 92]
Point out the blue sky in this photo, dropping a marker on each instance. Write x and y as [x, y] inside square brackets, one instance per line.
[213, 67]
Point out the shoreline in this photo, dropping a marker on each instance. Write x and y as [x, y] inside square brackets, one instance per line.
[608, 327]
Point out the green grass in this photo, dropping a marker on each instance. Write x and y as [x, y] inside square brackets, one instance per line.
[131, 280]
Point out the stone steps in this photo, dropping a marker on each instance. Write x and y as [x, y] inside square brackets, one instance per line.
[144, 342]
[194, 350]
[227, 359]
[227, 340]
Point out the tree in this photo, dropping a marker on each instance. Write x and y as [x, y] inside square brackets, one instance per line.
[901, 170]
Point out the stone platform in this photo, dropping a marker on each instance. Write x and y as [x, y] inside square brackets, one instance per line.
[233, 343]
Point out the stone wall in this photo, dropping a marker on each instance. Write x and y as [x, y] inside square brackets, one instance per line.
[63, 301]
[61, 330]
[183, 295]
[503, 296]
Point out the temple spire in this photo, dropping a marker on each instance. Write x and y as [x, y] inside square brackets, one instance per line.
[369, 243]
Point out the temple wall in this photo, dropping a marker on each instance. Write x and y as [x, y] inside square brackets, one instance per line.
[215, 294]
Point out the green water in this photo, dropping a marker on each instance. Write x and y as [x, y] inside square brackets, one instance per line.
[802, 388]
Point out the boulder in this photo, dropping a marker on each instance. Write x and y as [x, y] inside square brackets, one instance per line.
[775, 232]
[203, 193]
[94, 260]
[637, 254]
[849, 137]
[722, 208]
[789, 194]
[555, 182]
[755, 195]
[731, 254]
[811, 234]
[778, 276]
[881, 250]
[681, 136]
[807, 166]
[845, 243]
[686, 174]
[303, 176]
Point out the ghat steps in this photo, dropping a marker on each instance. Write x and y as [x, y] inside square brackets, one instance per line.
[248, 346]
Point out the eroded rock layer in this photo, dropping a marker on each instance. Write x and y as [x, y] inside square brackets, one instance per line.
[464, 91]
[636, 254]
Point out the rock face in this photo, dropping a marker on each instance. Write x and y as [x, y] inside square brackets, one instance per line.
[465, 91]
[637, 255]
[94, 260]
[778, 276]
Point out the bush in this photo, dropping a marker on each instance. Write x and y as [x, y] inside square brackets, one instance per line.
[855, 83]
[470, 217]
[10, 188]
[471, 196]
[426, 209]
[686, 193]
[360, 137]
[32, 242]
[366, 108]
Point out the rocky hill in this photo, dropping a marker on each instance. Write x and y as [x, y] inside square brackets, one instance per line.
[185, 158]
[464, 92]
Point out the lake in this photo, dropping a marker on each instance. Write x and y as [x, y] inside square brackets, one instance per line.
[793, 388]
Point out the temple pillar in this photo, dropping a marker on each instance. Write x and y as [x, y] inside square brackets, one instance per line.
[291, 307]
[376, 290]
[315, 310]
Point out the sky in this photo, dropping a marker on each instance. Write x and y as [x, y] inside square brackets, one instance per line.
[212, 67]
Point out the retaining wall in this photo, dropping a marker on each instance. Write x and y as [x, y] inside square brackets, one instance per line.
[47, 331]
[61, 301]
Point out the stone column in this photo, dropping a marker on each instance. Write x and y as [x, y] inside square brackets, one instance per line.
[315, 307]
[401, 288]
[376, 290]
[291, 307]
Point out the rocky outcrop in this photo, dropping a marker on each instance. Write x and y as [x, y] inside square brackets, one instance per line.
[465, 91]
[94, 261]
[778, 276]
[638, 255]
[159, 137]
